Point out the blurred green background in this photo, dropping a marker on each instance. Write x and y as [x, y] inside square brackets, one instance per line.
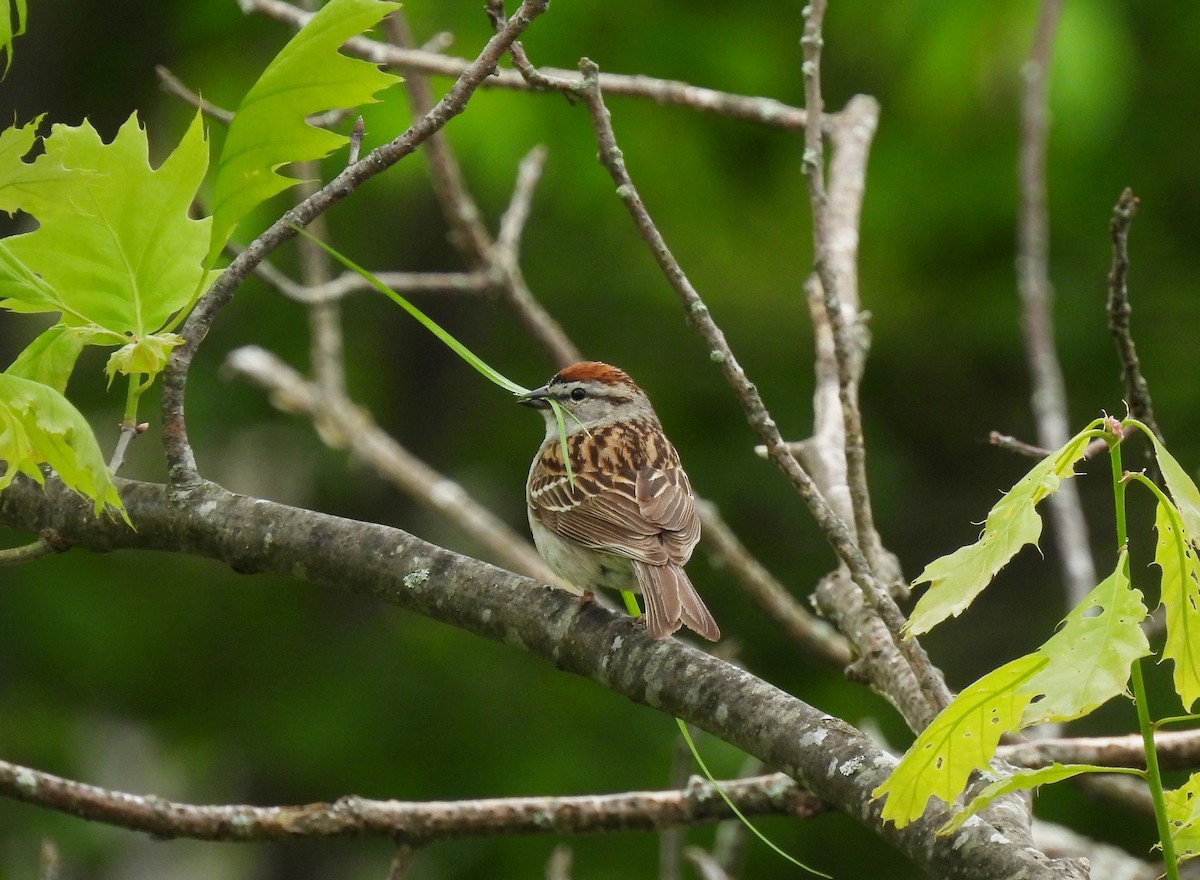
[174, 676]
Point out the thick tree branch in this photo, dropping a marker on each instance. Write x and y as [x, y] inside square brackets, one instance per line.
[829, 757]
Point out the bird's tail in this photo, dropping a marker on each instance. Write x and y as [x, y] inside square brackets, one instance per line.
[672, 601]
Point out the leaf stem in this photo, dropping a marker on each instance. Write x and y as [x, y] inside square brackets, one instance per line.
[1140, 700]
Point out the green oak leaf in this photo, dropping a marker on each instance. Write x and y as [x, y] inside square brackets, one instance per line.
[270, 126]
[960, 740]
[1089, 658]
[1175, 554]
[1023, 780]
[40, 426]
[1183, 816]
[957, 578]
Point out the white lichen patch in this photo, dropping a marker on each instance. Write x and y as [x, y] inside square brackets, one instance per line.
[814, 737]
[414, 579]
[27, 782]
[849, 768]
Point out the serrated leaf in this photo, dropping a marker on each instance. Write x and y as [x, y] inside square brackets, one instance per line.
[957, 578]
[115, 249]
[1175, 554]
[959, 741]
[15, 174]
[1023, 780]
[50, 358]
[1182, 488]
[270, 129]
[1089, 658]
[40, 426]
[1183, 816]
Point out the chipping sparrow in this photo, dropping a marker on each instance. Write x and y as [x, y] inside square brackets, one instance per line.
[629, 522]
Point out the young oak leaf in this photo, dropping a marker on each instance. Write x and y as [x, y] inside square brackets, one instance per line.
[1183, 490]
[1183, 816]
[115, 251]
[1175, 555]
[959, 741]
[40, 426]
[957, 578]
[1089, 658]
[270, 129]
[1023, 780]
[51, 357]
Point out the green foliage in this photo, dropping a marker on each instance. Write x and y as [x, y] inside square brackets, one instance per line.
[1088, 659]
[1175, 554]
[270, 127]
[40, 426]
[962, 739]
[955, 580]
[1086, 663]
[1183, 814]
[1023, 780]
[116, 254]
[135, 257]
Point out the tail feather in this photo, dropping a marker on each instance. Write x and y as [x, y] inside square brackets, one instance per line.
[672, 601]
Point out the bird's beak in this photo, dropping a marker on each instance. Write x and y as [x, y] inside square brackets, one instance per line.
[538, 398]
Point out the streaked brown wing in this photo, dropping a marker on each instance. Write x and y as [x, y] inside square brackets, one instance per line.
[649, 516]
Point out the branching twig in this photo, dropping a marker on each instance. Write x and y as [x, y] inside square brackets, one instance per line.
[760, 420]
[467, 229]
[1137, 391]
[413, 823]
[836, 273]
[763, 111]
[180, 458]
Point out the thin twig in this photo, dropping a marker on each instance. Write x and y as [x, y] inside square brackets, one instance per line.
[1137, 391]
[401, 282]
[409, 822]
[343, 425]
[763, 111]
[834, 528]
[558, 866]
[181, 459]
[1176, 750]
[468, 232]
[1048, 397]
[174, 85]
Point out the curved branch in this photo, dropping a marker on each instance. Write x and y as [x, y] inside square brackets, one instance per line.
[413, 823]
[824, 754]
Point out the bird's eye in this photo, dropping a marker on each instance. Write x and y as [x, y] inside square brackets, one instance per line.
[578, 394]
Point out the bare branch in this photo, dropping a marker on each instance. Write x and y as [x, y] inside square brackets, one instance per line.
[763, 111]
[1176, 749]
[1137, 391]
[412, 823]
[1048, 397]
